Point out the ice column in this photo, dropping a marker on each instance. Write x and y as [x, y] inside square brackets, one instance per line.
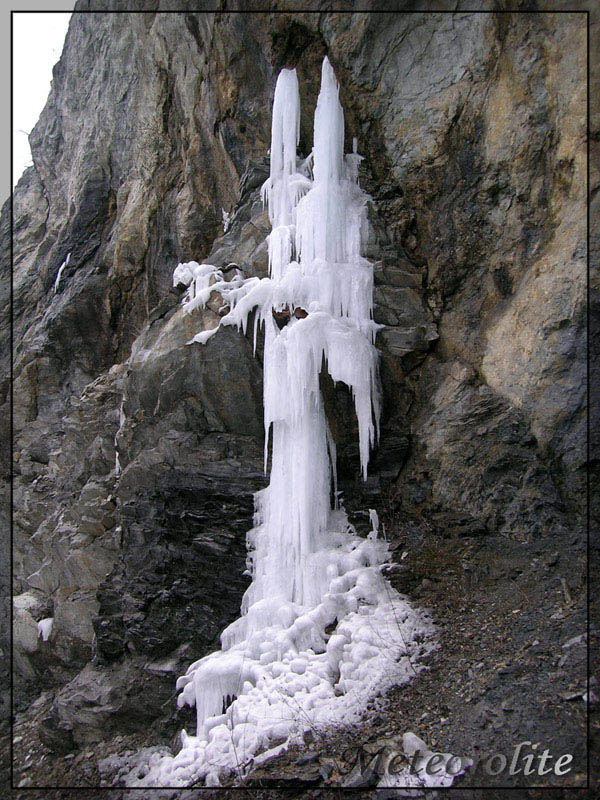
[321, 287]
[321, 222]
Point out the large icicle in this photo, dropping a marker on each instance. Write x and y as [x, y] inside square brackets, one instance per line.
[281, 667]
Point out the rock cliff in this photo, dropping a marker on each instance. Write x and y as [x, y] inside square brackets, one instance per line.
[135, 456]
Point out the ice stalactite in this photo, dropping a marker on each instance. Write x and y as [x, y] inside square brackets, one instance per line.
[58, 278]
[320, 631]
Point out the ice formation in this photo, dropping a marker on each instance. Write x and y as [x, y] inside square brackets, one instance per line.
[60, 272]
[321, 632]
[44, 628]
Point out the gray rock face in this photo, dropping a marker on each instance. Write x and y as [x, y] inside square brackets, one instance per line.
[495, 477]
[136, 455]
[99, 702]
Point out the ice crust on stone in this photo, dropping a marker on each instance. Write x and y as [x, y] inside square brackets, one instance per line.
[423, 774]
[44, 628]
[321, 632]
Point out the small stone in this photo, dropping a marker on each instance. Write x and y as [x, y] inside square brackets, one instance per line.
[308, 737]
[306, 758]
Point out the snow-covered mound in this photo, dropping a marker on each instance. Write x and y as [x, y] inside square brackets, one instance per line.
[290, 675]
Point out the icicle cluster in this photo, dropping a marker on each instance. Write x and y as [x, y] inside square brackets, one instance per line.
[281, 666]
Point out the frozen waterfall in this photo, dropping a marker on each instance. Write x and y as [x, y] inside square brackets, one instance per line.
[321, 632]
